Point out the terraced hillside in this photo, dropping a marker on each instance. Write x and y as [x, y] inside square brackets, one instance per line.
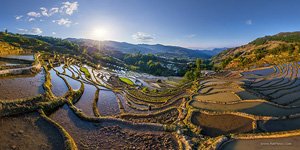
[275, 49]
[72, 105]
[257, 109]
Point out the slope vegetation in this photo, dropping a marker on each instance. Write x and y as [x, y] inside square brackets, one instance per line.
[276, 49]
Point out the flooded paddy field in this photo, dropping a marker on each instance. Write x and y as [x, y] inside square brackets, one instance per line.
[261, 94]
[5, 63]
[215, 125]
[75, 84]
[24, 57]
[254, 108]
[290, 143]
[281, 124]
[88, 135]
[59, 87]
[29, 131]
[22, 86]
[93, 100]
[85, 103]
[108, 103]
[152, 113]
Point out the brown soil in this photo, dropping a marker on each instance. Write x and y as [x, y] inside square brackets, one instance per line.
[164, 118]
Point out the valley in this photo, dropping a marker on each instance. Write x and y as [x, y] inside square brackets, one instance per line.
[149, 75]
[79, 104]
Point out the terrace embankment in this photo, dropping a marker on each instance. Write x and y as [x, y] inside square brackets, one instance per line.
[164, 117]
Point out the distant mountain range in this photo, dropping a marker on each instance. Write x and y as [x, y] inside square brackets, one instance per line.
[214, 51]
[158, 49]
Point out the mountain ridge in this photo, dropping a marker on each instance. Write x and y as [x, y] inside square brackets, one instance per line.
[158, 49]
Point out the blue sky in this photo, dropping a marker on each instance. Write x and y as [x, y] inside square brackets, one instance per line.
[187, 23]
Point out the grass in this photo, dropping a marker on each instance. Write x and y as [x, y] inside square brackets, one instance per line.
[85, 71]
[126, 80]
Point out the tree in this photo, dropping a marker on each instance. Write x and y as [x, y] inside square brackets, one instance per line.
[195, 71]
[198, 64]
[189, 75]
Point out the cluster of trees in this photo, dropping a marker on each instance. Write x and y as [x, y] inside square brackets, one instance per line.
[194, 71]
[58, 42]
[285, 48]
[226, 61]
[147, 63]
[41, 43]
[260, 53]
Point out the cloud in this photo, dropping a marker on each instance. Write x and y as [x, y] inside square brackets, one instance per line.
[69, 7]
[65, 8]
[191, 36]
[30, 31]
[34, 14]
[53, 10]
[142, 37]
[19, 17]
[44, 11]
[63, 22]
[31, 19]
[48, 13]
[53, 33]
[249, 22]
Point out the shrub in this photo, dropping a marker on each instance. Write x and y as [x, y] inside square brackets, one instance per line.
[85, 71]
[126, 80]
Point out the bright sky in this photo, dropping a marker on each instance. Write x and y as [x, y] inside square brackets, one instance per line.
[187, 23]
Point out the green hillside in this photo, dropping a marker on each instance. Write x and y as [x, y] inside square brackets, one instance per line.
[279, 48]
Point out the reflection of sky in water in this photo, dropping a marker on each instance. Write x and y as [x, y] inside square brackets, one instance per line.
[25, 57]
[59, 88]
[107, 103]
[3, 63]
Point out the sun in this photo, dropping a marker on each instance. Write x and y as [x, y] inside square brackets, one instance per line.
[100, 33]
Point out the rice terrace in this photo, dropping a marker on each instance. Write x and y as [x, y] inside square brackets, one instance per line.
[61, 91]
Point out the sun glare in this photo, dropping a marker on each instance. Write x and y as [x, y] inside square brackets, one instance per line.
[100, 33]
